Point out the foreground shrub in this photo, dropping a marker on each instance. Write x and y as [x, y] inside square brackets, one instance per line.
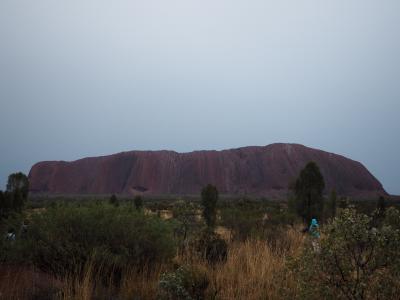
[355, 261]
[185, 283]
[62, 239]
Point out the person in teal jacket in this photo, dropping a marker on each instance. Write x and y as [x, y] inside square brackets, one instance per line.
[314, 232]
[314, 229]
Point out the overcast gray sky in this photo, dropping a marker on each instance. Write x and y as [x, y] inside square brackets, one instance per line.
[85, 78]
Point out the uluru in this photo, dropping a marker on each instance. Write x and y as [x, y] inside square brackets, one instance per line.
[259, 171]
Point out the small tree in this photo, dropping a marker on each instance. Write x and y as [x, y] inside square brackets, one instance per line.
[185, 213]
[308, 189]
[381, 206]
[209, 244]
[17, 200]
[114, 200]
[16, 194]
[332, 204]
[209, 198]
[18, 182]
[379, 214]
[344, 203]
[4, 205]
[138, 202]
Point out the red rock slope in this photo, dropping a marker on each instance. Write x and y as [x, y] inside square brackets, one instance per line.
[250, 170]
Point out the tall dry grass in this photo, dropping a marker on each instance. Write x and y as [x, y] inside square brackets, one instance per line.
[254, 270]
[92, 284]
[141, 285]
[80, 287]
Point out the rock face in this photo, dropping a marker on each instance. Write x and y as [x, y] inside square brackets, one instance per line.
[262, 171]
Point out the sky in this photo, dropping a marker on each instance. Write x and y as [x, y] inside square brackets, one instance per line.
[86, 78]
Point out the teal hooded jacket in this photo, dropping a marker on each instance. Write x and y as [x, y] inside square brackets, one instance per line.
[314, 228]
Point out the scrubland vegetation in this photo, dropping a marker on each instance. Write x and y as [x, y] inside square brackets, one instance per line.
[209, 249]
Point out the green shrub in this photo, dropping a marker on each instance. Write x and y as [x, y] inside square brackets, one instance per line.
[62, 239]
[185, 213]
[355, 260]
[249, 220]
[244, 222]
[185, 283]
[138, 202]
[114, 200]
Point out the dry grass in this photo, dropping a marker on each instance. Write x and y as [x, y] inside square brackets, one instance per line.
[253, 270]
[141, 285]
[75, 288]
[134, 284]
